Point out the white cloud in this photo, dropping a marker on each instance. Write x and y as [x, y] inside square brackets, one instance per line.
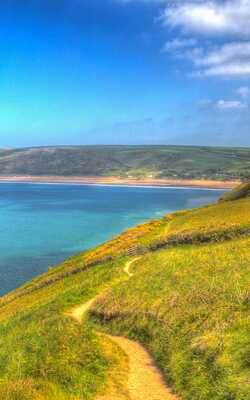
[178, 43]
[230, 105]
[243, 92]
[225, 50]
[223, 105]
[233, 70]
[228, 60]
[224, 54]
[228, 19]
[210, 16]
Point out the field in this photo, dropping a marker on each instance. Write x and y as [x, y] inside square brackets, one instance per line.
[187, 302]
[169, 162]
[190, 308]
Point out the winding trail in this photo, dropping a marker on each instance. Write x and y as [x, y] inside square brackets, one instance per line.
[128, 265]
[145, 381]
[77, 313]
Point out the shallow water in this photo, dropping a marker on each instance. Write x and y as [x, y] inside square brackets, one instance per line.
[42, 224]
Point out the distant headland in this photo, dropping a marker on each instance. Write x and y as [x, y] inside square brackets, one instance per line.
[196, 166]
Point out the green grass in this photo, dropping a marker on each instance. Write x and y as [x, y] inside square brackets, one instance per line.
[239, 192]
[44, 354]
[188, 302]
[212, 223]
[174, 162]
[189, 306]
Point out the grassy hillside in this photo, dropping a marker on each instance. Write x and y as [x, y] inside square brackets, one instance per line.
[177, 162]
[187, 303]
[239, 192]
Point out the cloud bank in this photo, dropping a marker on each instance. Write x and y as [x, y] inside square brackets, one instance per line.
[210, 17]
[222, 35]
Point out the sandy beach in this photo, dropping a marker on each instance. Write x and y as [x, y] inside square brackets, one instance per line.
[112, 180]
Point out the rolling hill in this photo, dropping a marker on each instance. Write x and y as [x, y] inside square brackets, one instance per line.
[179, 286]
[173, 162]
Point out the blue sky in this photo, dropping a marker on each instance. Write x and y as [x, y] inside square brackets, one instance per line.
[125, 71]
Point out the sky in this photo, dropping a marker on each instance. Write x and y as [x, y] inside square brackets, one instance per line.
[124, 72]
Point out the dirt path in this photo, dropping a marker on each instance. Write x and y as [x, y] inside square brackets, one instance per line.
[144, 381]
[128, 265]
[78, 312]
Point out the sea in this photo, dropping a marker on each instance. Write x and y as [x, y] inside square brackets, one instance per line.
[43, 224]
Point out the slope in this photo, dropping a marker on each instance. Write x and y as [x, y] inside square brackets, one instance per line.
[187, 303]
[173, 162]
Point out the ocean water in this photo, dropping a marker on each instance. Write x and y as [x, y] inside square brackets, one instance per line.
[42, 224]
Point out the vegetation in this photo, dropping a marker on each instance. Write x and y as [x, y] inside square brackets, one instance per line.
[239, 192]
[174, 162]
[190, 307]
[188, 303]
[45, 355]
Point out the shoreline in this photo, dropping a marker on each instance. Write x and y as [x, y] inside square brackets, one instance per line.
[114, 181]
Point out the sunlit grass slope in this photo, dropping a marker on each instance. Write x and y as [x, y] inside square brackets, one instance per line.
[45, 355]
[190, 307]
[239, 192]
[188, 302]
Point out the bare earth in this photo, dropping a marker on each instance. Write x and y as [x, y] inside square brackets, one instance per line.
[78, 312]
[144, 380]
[112, 180]
[128, 265]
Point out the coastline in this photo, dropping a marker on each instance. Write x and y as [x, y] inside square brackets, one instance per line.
[115, 181]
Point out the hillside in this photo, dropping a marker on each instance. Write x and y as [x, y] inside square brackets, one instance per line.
[179, 286]
[241, 191]
[173, 162]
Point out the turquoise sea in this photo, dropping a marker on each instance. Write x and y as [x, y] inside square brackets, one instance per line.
[42, 224]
